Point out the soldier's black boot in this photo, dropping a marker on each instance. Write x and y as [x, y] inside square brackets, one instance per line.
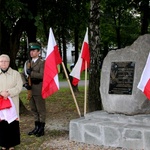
[35, 130]
[41, 129]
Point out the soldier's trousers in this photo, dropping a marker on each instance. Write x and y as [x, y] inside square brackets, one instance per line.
[38, 108]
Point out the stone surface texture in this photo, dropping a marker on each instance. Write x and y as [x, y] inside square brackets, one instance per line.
[126, 104]
[115, 130]
[125, 120]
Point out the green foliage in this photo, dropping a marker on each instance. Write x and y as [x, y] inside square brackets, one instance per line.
[116, 17]
[11, 12]
[119, 24]
[67, 15]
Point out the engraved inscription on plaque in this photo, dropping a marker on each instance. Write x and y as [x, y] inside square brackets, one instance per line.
[121, 78]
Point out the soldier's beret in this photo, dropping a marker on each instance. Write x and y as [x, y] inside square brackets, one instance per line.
[34, 46]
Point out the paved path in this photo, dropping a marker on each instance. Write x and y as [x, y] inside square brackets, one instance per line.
[66, 84]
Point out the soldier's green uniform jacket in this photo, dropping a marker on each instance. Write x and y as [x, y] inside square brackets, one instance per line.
[36, 76]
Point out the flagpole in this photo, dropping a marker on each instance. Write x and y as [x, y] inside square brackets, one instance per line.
[71, 89]
[85, 90]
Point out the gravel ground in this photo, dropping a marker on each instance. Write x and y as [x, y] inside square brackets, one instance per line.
[63, 143]
[60, 110]
[56, 137]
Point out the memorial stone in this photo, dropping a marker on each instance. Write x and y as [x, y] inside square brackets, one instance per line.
[125, 120]
[120, 75]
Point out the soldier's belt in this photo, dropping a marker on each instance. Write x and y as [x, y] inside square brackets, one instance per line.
[36, 81]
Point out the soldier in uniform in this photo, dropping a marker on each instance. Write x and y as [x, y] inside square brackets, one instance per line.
[33, 70]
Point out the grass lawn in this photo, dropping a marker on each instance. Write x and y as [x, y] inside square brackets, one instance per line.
[60, 110]
[62, 97]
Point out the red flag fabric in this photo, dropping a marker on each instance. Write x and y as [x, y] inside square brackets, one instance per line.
[83, 58]
[4, 103]
[144, 84]
[53, 58]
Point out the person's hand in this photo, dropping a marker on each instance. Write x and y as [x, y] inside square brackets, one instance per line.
[27, 86]
[29, 71]
[5, 94]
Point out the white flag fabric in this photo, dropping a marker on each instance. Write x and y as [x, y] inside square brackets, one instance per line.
[144, 84]
[83, 58]
[9, 114]
[53, 58]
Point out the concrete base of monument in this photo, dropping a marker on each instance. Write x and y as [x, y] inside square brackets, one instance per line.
[115, 130]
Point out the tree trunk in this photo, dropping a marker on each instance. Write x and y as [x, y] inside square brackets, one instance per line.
[117, 25]
[76, 40]
[11, 48]
[145, 12]
[76, 31]
[4, 37]
[94, 100]
[64, 50]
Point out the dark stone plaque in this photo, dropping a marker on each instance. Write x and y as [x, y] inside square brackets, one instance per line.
[121, 78]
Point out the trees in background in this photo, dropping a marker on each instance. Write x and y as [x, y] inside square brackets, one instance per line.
[112, 24]
[94, 100]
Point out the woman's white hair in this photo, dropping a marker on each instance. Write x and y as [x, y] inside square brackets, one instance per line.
[6, 56]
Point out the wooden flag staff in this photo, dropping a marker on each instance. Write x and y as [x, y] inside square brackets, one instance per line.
[75, 101]
[85, 90]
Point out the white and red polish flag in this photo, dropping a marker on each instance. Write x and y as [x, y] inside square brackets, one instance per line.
[144, 84]
[84, 57]
[53, 58]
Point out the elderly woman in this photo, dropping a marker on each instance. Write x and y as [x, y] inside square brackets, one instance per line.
[10, 87]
